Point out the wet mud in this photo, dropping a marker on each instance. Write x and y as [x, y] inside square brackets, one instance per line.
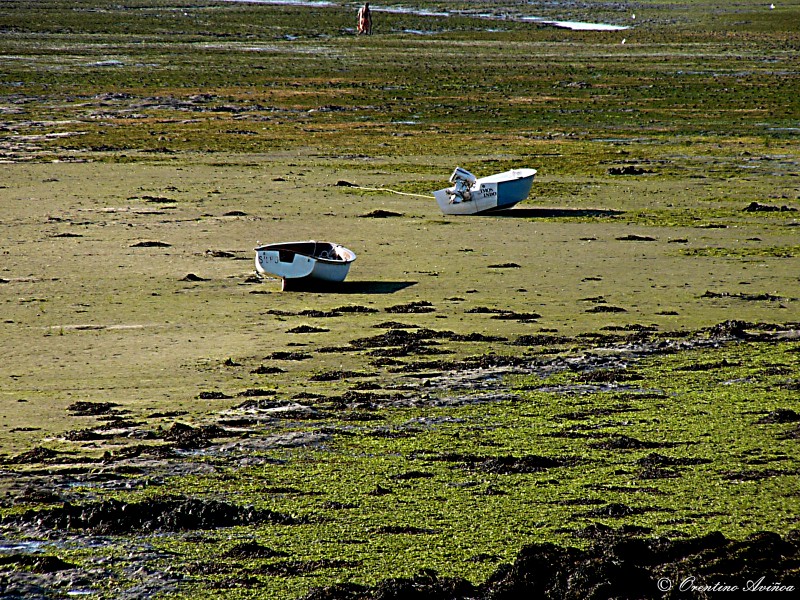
[506, 465]
[743, 296]
[658, 466]
[780, 415]
[421, 306]
[758, 207]
[37, 564]
[625, 442]
[628, 170]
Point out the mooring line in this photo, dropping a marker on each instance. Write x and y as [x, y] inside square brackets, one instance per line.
[358, 187]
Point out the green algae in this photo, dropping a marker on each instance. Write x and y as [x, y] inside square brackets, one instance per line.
[703, 415]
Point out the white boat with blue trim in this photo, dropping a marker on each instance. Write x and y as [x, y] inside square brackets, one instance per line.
[304, 263]
[470, 195]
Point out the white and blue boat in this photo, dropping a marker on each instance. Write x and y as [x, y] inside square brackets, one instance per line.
[470, 195]
[302, 264]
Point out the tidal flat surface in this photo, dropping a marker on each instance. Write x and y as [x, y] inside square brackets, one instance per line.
[616, 358]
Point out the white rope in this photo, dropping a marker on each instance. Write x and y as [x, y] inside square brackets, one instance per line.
[358, 187]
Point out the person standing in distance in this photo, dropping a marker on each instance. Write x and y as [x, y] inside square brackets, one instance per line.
[364, 20]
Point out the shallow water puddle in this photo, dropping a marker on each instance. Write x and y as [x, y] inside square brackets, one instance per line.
[15, 546]
[576, 25]
[314, 3]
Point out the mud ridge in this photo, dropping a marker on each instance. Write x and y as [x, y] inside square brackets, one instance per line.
[500, 465]
[113, 517]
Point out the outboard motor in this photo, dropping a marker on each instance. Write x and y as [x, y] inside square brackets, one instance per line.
[463, 180]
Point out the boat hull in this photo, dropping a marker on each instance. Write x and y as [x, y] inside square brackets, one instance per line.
[496, 192]
[297, 263]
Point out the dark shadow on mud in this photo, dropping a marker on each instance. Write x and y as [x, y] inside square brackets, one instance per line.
[353, 287]
[554, 213]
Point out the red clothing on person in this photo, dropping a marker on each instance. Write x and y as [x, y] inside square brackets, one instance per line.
[365, 20]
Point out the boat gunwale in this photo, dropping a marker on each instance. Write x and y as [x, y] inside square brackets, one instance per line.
[508, 176]
[281, 247]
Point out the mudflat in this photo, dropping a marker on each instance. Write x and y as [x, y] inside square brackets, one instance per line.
[617, 356]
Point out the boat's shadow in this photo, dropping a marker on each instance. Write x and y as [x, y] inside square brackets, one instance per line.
[551, 213]
[354, 287]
